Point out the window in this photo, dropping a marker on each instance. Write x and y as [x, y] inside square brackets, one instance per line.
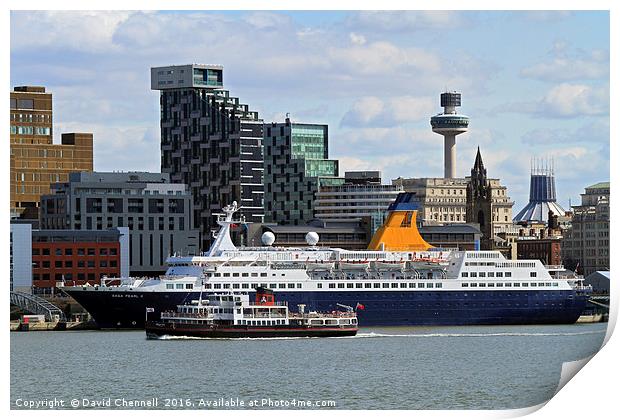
[169, 286]
[465, 285]
[319, 285]
[332, 285]
[507, 274]
[532, 273]
[482, 274]
[474, 274]
[465, 274]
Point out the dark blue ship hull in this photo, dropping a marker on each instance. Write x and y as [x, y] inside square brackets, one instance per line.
[381, 308]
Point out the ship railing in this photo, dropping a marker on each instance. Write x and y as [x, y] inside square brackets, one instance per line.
[267, 305]
[336, 314]
[170, 314]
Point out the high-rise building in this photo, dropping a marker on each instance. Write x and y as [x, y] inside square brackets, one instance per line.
[211, 142]
[158, 213]
[586, 243]
[297, 164]
[361, 196]
[542, 196]
[450, 124]
[35, 161]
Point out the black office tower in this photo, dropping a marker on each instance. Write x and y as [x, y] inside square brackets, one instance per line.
[211, 142]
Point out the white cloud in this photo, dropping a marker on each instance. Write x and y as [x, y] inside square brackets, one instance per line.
[405, 20]
[373, 111]
[595, 132]
[564, 67]
[357, 38]
[383, 58]
[571, 100]
[88, 31]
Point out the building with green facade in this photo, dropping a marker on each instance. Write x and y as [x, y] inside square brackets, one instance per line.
[296, 164]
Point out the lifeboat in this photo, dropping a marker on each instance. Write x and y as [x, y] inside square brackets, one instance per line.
[389, 265]
[354, 265]
[319, 266]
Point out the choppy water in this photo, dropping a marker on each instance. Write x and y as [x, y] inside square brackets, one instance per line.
[381, 368]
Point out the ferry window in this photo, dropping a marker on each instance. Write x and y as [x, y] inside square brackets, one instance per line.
[491, 284]
[179, 285]
[273, 274]
[332, 285]
[541, 284]
[189, 286]
[358, 285]
[438, 285]
[319, 285]
[263, 285]
[282, 285]
[235, 274]
[482, 274]
[421, 285]
[412, 285]
[217, 286]
[525, 284]
[235, 285]
[376, 285]
[263, 274]
[508, 284]
[517, 284]
[491, 274]
[482, 285]
[272, 285]
[218, 274]
[507, 274]
[403, 285]
[207, 286]
[367, 285]
[341, 285]
[499, 274]
[395, 285]
[465, 285]
[291, 285]
[532, 273]
[244, 274]
[282, 274]
[555, 285]
[169, 286]
[245, 285]
[208, 275]
[386, 285]
[254, 274]
[473, 274]
[226, 285]
[465, 274]
[226, 274]
[299, 285]
[474, 285]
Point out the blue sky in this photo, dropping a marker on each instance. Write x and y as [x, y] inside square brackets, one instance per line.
[534, 84]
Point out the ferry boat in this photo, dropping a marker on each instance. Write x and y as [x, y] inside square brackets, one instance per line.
[230, 315]
[403, 281]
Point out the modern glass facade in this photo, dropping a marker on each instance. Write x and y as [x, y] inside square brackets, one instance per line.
[296, 165]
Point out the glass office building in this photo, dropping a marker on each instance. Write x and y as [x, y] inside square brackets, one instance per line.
[296, 165]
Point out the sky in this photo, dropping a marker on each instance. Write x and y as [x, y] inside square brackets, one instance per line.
[535, 84]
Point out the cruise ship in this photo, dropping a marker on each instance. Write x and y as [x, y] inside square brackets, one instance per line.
[399, 280]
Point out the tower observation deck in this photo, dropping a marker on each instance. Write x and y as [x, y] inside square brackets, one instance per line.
[450, 124]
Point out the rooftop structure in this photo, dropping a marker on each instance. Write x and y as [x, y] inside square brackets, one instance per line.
[542, 195]
[450, 124]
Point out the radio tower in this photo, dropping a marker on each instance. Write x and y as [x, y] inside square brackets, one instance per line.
[450, 124]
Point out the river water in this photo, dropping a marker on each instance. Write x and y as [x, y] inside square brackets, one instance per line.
[381, 368]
